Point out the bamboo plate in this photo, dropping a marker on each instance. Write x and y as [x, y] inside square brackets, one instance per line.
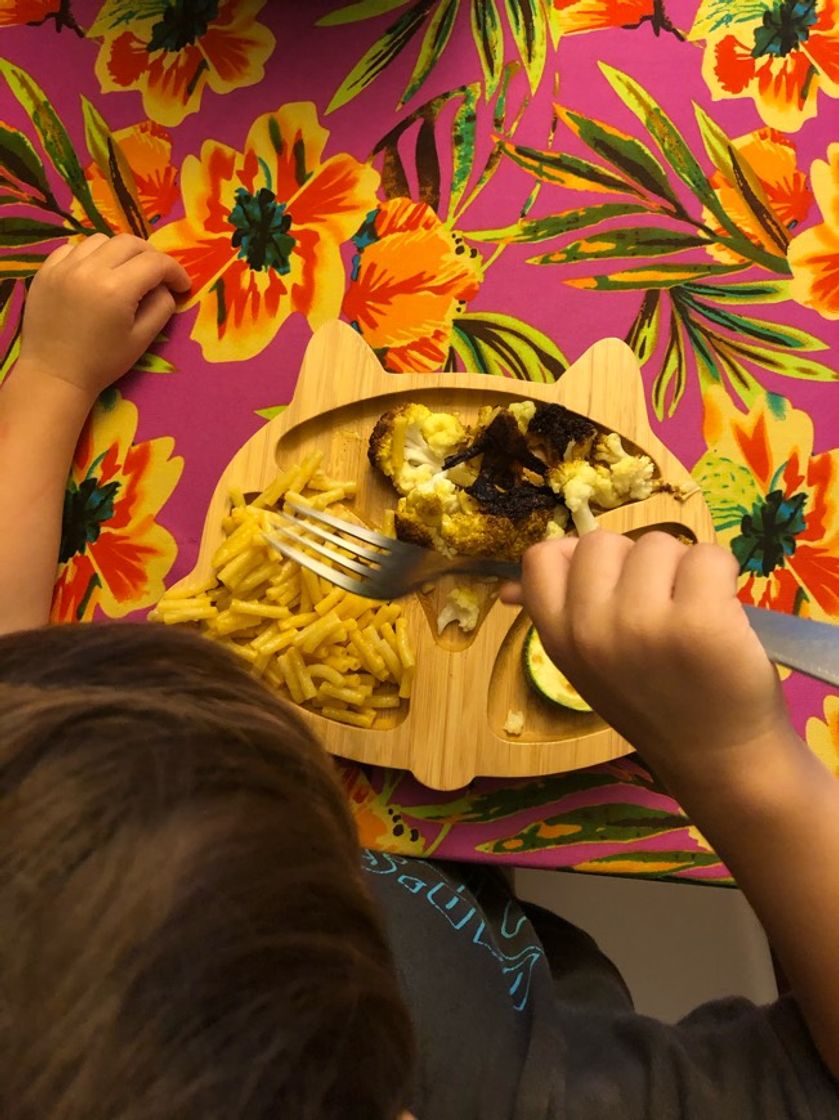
[452, 729]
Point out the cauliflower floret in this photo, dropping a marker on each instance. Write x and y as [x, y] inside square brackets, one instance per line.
[409, 444]
[514, 723]
[434, 497]
[443, 432]
[557, 525]
[609, 448]
[631, 476]
[523, 411]
[577, 481]
[582, 485]
[461, 606]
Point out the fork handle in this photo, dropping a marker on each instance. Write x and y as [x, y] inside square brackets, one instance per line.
[799, 643]
[497, 569]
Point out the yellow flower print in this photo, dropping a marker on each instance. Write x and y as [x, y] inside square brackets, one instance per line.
[778, 52]
[114, 555]
[263, 231]
[814, 255]
[774, 503]
[823, 736]
[171, 50]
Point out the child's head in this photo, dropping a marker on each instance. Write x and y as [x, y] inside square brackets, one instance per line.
[183, 927]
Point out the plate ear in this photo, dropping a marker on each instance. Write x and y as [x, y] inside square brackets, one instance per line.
[339, 368]
[605, 385]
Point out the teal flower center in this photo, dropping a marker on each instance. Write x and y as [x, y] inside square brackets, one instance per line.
[262, 226]
[784, 28]
[768, 533]
[86, 507]
[183, 22]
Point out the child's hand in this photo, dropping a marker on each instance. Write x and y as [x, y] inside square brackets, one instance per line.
[95, 307]
[654, 637]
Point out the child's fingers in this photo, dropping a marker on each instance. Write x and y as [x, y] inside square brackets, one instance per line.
[154, 312]
[88, 246]
[649, 573]
[143, 272]
[120, 249]
[511, 593]
[597, 566]
[544, 582]
[707, 574]
[77, 250]
[57, 255]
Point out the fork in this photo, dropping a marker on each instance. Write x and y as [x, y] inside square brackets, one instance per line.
[391, 569]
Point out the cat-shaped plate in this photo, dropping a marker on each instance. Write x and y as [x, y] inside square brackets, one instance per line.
[452, 729]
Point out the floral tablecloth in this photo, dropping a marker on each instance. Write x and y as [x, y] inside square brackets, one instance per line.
[491, 185]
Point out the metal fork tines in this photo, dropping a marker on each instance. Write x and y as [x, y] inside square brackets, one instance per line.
[389, 570]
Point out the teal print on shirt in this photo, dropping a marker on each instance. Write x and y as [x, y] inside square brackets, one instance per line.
[463, 916]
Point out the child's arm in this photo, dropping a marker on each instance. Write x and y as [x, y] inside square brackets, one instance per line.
[92, 310]
[654, 637]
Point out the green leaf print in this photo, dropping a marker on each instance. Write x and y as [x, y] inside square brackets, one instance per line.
[388, 47]
[54, 138]
[489, 40]
[643, 241]
[530, 230]
[530, 30]
[503, 344]
[434, 42]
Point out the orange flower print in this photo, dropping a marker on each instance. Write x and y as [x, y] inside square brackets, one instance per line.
[823, 736]
[411, 276]
[814, 255]
[771, 156]
[114, 555]
[147, 149]
[171, 50]
[263, 231]
[570, 17]
[774, 503]
[14, 12]
[379, 823]
[778, 52]
[35, 12]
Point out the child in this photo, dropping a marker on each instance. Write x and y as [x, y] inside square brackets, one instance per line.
[186, 933]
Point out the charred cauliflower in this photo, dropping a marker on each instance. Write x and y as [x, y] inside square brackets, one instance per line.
[612, 479]
[520, 476]
[409, 444]
[472, 534]
[430, 501]
[558, 434]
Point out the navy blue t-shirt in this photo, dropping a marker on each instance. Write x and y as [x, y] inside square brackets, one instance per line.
[515, 1024]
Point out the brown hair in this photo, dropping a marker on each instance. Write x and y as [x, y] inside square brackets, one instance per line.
[184, 931]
